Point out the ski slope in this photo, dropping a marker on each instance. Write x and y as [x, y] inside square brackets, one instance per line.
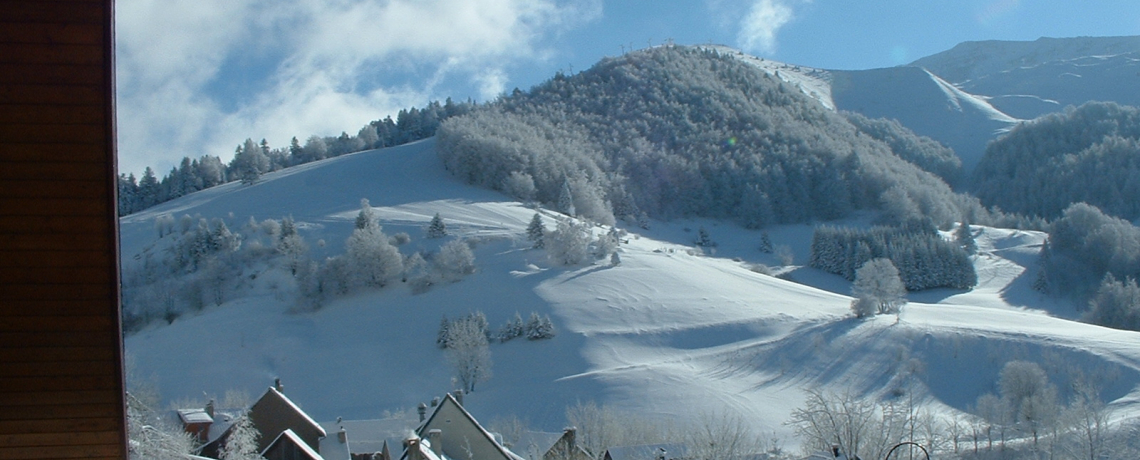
[670, 332]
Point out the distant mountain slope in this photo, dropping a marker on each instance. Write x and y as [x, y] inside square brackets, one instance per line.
[926, 104]
[1030, 79]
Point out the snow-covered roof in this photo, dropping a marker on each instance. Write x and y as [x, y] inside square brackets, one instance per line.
[194, 416]
[369, 436]
[281, 396]
[296, 440]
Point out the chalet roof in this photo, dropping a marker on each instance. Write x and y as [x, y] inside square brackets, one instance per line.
[194, 416]
[449, 400]
[290, 436]
[369, 436]
[272, 394]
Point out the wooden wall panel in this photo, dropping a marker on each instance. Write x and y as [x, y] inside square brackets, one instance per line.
[61, 377]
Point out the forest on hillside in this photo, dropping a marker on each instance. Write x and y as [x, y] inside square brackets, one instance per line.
[678, 131]
[1087, 154]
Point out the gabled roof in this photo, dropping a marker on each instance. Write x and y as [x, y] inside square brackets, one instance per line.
[291, 437]
[451, 404]
[274, 395]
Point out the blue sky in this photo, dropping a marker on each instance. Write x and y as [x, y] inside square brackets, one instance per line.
[197, 77]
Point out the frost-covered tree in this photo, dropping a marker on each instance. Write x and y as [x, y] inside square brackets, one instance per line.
[291, 245]
[250, 162]
[615, 259]
[513, 328]
[1116, 304]
[520, 185]
[566, 199]
[436, 229]
[536, 231]
[765, 243]
[539, 327]
[569, 244]
[877, 284]
[468, 352]
[965, 238]
[1028, 395]
[241, 444]
[371, 260]
[366, 216]
[151, 435]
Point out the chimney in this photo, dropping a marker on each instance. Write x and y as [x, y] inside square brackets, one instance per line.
[278, 386]
[435, 401]
[412, 447]
[342, 436]
[422, 409]
[210, 408]
[459, 396]
[435, 439]
[571, 435]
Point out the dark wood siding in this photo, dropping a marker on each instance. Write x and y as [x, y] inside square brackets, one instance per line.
[61, 379]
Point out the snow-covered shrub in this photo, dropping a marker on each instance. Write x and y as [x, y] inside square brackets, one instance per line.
[454, 260]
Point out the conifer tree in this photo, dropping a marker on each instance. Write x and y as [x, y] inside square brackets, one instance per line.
[536, 231]
[437, 229]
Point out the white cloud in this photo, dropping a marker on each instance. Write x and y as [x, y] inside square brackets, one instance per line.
[760, 25]
[322, 64]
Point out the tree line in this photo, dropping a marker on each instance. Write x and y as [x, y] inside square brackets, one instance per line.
[251, 159]
[924, 259]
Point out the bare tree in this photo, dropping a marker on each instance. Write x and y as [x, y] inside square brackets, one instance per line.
[721, 436]
[468, 353]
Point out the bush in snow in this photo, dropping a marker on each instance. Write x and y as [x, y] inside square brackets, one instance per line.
[454, 260]
[400, 239]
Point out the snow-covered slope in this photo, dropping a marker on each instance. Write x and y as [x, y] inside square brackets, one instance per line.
[926, 104]
[667, 333]
[815, 83]
[1030, 79]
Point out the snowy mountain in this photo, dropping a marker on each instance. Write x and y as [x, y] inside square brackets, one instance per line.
[669, 333]
[1030, 79]
[926, 104]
